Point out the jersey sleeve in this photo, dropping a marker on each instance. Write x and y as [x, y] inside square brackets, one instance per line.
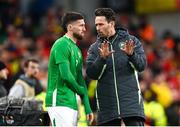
[61, 53]
[85, 98]
[67, 76]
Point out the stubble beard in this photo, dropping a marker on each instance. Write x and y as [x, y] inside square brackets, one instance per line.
[77, 36]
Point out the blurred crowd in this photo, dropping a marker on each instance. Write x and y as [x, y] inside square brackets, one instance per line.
[31, 34]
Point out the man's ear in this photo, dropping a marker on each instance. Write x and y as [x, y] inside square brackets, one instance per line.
[25, 69]
[112, 23]
[69, 27]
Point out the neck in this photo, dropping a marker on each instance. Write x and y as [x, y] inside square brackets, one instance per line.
[70, 35]
[112, 33]
[28, 76]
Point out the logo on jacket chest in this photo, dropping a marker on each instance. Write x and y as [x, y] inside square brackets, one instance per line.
[122, 44]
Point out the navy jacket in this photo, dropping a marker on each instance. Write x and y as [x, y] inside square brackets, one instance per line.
[118, 92]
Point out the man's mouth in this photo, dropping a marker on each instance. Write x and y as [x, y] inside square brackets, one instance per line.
[100, 33]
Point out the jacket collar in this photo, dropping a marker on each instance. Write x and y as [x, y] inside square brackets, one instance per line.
[122, 32]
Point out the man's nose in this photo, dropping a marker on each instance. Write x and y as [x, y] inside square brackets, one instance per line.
[84, 29]
[37, 70]
[97, 28]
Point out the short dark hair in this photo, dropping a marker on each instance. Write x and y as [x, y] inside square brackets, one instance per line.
[2, 65]
[70, 17]
[107, 12]
[26, 63]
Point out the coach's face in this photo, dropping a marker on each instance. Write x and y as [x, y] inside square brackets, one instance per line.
[103, 27]
[78, 29]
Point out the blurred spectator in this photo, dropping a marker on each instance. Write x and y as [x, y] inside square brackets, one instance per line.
[154, 111]
[42, 76]
[27, 84]
[168, 41]
[29, 28]
[161, 88]
[146, 30]
[173, 115]
[3, 77]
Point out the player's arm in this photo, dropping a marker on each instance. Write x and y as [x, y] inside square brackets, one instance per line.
[67, 76]
[84, 98]
[62, 54]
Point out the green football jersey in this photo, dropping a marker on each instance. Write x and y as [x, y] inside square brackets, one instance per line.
[65, 78]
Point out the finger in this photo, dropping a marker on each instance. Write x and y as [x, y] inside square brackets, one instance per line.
[100, 49]
[126, 47]
[132, 46]
[106, 46]
[87, 117]
[105, 41]
[91, 119]
[102, 45]
[131, 42]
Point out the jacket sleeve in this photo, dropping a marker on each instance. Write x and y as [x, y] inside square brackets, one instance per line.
[138, 59]
[67, 76]
[94, 62]
[84, 98]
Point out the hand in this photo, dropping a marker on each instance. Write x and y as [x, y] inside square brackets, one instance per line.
[104, 50]
[90, 118]
[129, 47]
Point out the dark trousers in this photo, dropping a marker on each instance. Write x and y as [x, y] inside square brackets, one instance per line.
[128, 121]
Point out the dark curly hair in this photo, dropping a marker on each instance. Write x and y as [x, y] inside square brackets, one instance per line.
[70, 17]
[107, 12]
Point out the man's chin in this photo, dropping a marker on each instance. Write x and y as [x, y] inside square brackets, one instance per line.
[79, 37]
[101, 35]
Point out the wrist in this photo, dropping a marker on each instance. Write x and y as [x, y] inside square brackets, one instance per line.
[131, 54]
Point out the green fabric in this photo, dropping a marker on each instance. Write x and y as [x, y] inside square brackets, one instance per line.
[85, 98]
[65, 75]
[54, 123]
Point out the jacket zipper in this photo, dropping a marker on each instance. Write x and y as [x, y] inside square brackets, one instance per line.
[115, 81]
[114, 74]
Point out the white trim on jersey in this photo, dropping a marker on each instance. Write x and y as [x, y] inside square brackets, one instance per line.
[54, 97]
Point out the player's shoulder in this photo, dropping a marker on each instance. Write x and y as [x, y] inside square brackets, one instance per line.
[61, 42]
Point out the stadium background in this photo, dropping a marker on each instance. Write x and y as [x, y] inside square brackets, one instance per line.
[28, 28]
